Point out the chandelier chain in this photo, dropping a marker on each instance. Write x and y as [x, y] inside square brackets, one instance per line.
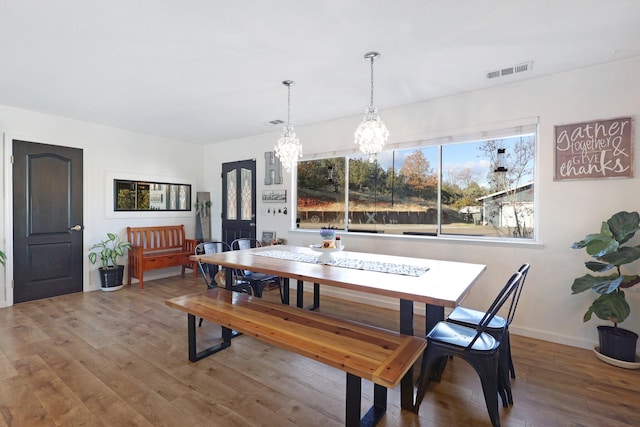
[371, 59]
[288, 104]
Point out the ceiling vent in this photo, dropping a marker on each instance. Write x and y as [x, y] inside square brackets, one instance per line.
[519, 68]
[276, 122]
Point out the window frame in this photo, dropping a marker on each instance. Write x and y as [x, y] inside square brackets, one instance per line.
[520, 128]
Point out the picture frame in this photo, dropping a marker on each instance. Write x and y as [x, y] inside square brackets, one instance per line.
[268, 237]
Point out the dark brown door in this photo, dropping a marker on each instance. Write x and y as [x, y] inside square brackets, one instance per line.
[47, 220]
[238, 200]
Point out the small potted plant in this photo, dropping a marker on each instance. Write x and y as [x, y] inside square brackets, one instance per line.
[111, 273]
[328, 232]
[609, 252]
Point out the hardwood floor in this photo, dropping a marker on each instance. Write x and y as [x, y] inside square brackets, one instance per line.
[120, 359]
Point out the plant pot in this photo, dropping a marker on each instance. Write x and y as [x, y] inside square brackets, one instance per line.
[111, 278]
[618, 343]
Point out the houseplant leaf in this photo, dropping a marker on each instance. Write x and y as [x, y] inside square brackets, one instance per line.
[612, 307]
[598, 266]
[599, 244]
[624, 225]
[600, 284]
[622, 256]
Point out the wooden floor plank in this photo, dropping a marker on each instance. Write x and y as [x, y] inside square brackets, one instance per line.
[120, 359]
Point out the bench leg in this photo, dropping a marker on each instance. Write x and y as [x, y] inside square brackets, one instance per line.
[194, 355]
[354, 394]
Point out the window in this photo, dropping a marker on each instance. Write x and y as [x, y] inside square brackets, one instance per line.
[479, 185]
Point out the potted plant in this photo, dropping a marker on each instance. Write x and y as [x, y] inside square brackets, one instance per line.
[328, 232]
[609, 252]
[111, 273]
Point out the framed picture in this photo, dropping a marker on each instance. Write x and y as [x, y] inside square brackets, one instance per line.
[274, 196]
[268, 237]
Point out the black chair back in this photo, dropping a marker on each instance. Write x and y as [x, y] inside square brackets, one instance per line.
[507, 293]
[242, 244]
[523, 270]
[209, 271]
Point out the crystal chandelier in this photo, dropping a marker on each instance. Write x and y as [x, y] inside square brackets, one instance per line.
[372, 134]
[288, 148]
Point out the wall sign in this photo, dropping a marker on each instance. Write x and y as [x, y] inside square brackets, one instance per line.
[595, 149]
[272, 168]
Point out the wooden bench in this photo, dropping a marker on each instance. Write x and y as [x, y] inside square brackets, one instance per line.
[158, 247]
[362, 351]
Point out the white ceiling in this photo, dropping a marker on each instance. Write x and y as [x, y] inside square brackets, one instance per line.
[205, 71]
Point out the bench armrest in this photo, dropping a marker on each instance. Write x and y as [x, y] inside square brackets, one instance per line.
[136, 251]
[190, 245]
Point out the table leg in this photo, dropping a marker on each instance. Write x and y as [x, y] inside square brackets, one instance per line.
[300, 294]
[406, 383]
[316, 296]
[285, 291]
[434, 314]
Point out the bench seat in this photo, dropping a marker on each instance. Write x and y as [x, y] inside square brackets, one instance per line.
[362, 351]
[153, 248]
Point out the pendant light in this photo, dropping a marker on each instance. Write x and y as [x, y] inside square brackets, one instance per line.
[372, 133]
[288, 149]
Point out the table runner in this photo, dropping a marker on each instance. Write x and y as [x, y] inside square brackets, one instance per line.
[381, 267]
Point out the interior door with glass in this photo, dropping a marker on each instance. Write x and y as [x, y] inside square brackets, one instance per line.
[238, 200]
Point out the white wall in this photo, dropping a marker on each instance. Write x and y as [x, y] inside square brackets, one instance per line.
[567, 210]
[107, 153]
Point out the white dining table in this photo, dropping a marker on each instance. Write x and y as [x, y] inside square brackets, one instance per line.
[436, 283]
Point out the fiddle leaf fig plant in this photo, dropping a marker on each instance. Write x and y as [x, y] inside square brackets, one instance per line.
[109, 251]
[609, 254]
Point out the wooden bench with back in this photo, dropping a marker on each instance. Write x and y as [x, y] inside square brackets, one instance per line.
[153, 248]
[381, 356]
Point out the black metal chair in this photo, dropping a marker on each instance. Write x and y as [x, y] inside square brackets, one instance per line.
[474, 345]
[209, 271]
[471, 318]
[258, 281]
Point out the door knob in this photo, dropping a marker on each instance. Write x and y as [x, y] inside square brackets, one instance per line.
[76, 227]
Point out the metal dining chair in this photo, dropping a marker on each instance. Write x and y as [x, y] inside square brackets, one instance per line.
[474, 345]
[258, 281]
[471, 318]
[209, 271]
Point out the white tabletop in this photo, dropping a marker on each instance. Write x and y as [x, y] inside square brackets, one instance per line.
[445, 283]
